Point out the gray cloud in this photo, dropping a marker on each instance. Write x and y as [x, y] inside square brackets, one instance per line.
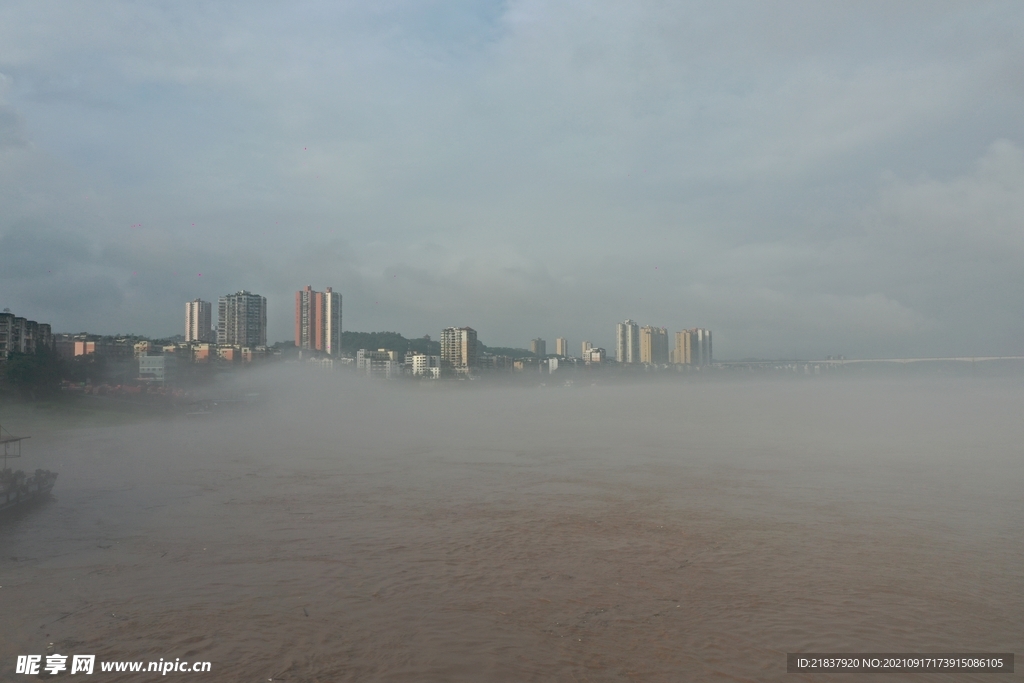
[11, 132]
[803, 178]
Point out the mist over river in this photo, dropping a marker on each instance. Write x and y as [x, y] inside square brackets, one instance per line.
[343, 530]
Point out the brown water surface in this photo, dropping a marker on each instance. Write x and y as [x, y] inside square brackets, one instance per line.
[666, 532]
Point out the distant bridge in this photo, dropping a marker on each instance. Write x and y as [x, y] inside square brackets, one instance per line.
[850, 361]
[960, 359]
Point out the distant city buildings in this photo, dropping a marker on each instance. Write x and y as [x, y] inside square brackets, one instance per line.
[499, 362]
[199, 321]
[459, 348]
[203, 353]
[318, 320]
[382, 363]
[693, 347]
[653, 345]
[592, 355]
[561, 347]
[241, 337]
[20, 335]
[242, 319]
[421, 364]
[627, 342]
[71, 346]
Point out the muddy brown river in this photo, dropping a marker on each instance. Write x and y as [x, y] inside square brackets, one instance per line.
[680, 531]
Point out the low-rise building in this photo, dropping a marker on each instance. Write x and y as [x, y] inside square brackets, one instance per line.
[525, 364]
[326, 363]
[203, 353]
[381, 363]
[158, 369]
[490, 361]
[252, 354]
[71, 346]
[420, 364]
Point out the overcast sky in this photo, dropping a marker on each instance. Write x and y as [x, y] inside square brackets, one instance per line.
[803, 178]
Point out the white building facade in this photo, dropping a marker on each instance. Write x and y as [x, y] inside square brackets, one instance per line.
[199, 321]
[627, 342]
[420, 364]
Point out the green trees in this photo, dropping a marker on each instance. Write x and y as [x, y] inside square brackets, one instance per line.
[392, 341]
[33, 375]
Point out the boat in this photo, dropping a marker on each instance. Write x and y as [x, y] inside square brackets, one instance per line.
[18, 490]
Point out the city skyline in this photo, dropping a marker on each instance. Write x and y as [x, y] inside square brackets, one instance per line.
[318, 327]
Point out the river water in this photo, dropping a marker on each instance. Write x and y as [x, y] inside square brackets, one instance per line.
[349, 531]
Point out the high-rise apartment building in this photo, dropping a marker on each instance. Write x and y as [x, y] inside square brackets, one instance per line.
[332, 322]
[586, 346]
[693, 347]
[539, 347]
[318, 320]
[627, 342]
[19, 335]
[198, 321]
[653, 345]
[308, 314]
[700, 343]
[12, 334]
[458, 348]
[242, 319]
[681, 354]
[561, 347]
